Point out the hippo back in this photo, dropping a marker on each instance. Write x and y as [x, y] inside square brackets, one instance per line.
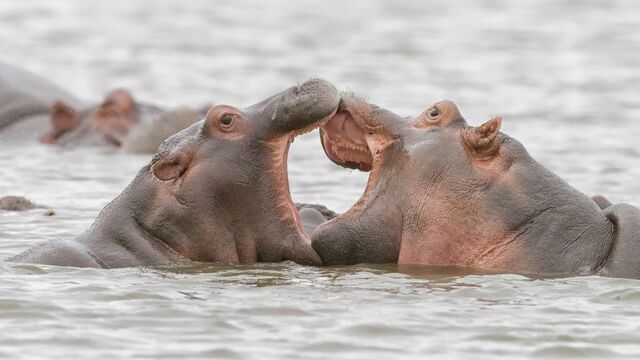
[15, 80]
[25, 102]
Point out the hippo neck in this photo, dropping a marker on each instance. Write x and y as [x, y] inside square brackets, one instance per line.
[561, 230]
[119, 237]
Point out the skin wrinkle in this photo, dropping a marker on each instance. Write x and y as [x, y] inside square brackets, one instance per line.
[600, 266]
[149, 236]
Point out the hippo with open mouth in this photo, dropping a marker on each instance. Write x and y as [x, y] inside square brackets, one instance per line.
[216, 191]
[442, 192]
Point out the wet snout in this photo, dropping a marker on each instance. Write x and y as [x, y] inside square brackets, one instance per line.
[299, 108]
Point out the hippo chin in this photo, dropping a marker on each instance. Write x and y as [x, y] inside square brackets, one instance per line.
[442, 192]
[217, 191]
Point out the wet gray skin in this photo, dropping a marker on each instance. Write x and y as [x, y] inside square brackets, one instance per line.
[442, 192]
[217, 191]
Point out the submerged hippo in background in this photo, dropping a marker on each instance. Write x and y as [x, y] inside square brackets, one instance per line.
[19, 203]
[16, 203]
[25, 103]
[217, 191]
[442, 192]
[118, 122]
[31, 108]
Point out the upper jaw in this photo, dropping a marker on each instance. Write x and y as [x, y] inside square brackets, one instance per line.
[297, 109]
[354, 137]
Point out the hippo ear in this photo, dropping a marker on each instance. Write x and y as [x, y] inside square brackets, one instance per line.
[483, 142]
[172, 166]
[63, 117]
[63, 120]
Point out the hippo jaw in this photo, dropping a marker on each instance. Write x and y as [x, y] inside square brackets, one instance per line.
[364, 137]
[278, 178]
[354, 138]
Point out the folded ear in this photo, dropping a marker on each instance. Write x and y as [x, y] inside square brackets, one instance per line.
[171, 167]
[483, 142]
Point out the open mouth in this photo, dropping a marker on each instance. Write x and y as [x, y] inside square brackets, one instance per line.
[352, 138]
[344, 136]
[355, 139]
[285, 203]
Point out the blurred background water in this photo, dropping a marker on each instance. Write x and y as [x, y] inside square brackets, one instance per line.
[565, 75]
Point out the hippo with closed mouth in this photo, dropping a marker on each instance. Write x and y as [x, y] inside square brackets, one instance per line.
[119, 121]
[442, 192]
[32, 108]
[217, 191]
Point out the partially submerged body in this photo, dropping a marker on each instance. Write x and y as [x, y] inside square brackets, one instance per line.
[33, 109]
[119, 122]
[217, 191]
[442, 192]
[16, 203]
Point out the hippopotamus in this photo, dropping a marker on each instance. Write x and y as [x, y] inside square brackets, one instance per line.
[215, 192]
[20, 203]
[16, 203]
[32, 108]
[442, 192]
[118, 122]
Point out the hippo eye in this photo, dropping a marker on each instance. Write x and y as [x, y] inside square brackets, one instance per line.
[434, 112]
[226, 120]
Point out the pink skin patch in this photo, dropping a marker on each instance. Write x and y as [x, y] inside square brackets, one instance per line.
[345, 142]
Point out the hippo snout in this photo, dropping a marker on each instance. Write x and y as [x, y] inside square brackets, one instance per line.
[305, 105]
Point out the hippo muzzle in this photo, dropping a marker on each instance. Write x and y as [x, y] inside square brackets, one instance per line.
[297, 109]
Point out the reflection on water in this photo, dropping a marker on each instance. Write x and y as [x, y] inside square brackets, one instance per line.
[564, 75]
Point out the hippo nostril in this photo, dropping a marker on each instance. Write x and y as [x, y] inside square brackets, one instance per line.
[434, 112]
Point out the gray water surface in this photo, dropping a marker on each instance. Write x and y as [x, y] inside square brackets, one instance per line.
[565, 75]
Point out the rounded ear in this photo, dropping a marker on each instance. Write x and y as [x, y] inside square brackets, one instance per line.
[63, 120]
[63, 117]
[171, 167]
[483, 142]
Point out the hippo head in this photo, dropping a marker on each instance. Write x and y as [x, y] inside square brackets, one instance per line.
[218, 190]
[431, 179]
[107, 124]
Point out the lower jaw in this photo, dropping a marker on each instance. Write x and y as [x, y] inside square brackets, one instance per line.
[284, 202]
